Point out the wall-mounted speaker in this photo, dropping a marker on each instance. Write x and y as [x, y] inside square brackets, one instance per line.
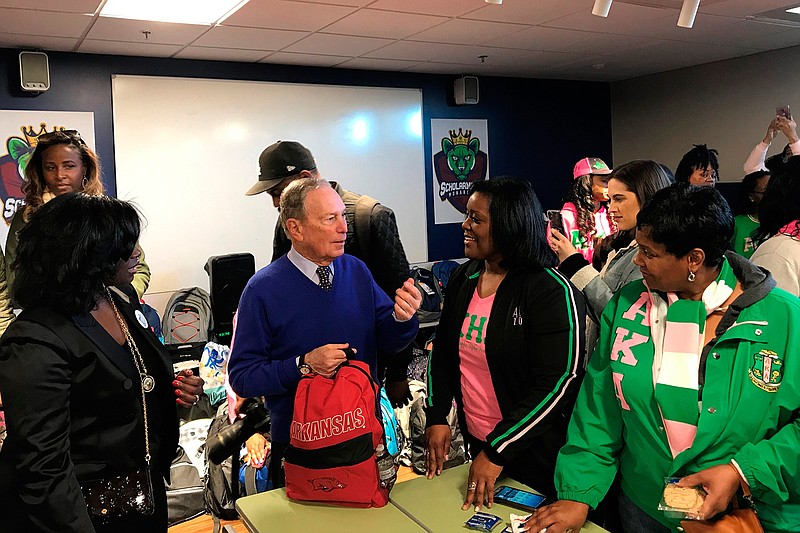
[34, 72]
[465, 90]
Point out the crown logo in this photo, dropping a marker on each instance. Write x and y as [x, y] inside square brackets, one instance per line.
[460, 138]
[32, 136]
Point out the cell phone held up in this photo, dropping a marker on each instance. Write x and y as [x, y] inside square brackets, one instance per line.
[556, 220]
[518, 498]
[783, 111]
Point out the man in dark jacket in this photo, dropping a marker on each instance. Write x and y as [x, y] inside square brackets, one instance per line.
[372, 236]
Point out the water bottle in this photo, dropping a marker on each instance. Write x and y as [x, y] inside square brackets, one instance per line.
[387, 474]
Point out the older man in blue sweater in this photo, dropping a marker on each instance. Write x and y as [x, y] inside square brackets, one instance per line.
[299, 313]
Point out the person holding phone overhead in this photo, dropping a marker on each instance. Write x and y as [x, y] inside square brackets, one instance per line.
[509, 346]
[781, 123]
[629, 186]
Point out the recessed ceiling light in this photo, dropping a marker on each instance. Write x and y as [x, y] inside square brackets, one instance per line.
[494, 1]
[176, 11]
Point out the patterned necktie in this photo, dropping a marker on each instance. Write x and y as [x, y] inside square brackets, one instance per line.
[324, 274]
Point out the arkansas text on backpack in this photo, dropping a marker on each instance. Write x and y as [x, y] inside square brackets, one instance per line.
[336, 427]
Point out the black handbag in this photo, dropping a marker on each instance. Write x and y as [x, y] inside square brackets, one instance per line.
[114, 498]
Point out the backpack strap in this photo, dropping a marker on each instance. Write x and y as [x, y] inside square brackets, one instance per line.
[375, 389]
[250, 481]
[364, 206]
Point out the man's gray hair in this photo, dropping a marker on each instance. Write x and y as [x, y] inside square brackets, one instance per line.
[293, 198]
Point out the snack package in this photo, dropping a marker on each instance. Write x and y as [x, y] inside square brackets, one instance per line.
[681, 502]
[517, 522]
[482, 521]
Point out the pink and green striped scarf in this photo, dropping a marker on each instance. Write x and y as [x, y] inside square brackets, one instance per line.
[676, 389]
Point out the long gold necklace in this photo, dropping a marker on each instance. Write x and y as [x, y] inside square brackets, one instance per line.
[148, 383]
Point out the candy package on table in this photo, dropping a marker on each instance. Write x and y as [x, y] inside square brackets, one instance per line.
[482, 521]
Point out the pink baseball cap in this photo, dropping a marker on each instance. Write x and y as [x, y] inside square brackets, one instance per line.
[590, 165]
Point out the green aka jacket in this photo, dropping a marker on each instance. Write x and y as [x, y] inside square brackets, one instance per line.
[744, 416]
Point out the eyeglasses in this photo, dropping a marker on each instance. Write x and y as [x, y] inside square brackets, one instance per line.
[706, 173]
[60, 135]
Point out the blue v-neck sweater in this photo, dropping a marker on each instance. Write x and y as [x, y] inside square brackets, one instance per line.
[283, 314]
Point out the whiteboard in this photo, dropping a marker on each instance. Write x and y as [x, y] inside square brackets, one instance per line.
[186, 151]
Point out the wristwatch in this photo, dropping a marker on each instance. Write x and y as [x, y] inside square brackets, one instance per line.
[304, 368]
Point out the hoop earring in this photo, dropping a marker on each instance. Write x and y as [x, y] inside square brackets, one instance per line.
[84, 182]
[691, 276]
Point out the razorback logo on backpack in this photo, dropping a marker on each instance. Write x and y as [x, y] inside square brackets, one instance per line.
[335, 429]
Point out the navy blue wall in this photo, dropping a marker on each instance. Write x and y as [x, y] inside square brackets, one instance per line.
[537, 128]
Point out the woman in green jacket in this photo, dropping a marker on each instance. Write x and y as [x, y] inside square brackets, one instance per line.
[694, 377]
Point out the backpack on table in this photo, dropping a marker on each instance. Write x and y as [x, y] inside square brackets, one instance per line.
[336, 427]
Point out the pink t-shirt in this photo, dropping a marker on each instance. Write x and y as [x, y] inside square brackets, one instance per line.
[481, 410]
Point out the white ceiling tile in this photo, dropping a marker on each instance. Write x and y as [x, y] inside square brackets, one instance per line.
[443, 68]
[390, 24]
[354, 3]
[114, 29]
[221, 54]
[534, 38]
[751, 34]
[415, 51]
[541, 38]
[558, 40]
[26, 21]
[287, 15]
[445, 8]
[311, 60]
[38, 42]
[742, 8]
[524, 12]
[365, 63]
[343, 45]
[120, 48]
[71, 6]
[248, 38]
[623, 19]
[464, 31]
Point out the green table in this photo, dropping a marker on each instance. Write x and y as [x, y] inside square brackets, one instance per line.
[272, 511]
[436, 503]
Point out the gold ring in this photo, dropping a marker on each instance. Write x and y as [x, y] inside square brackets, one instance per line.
[472, 486]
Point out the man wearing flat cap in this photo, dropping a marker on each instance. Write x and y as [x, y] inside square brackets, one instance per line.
[372, 236]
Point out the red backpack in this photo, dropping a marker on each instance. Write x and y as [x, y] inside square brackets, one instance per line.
[335, 429]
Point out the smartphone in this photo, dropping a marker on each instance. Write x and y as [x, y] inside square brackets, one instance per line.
[556, 220]
[521, 499]
[783, 111]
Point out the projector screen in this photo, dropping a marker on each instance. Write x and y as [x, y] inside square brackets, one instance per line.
[187, 150]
